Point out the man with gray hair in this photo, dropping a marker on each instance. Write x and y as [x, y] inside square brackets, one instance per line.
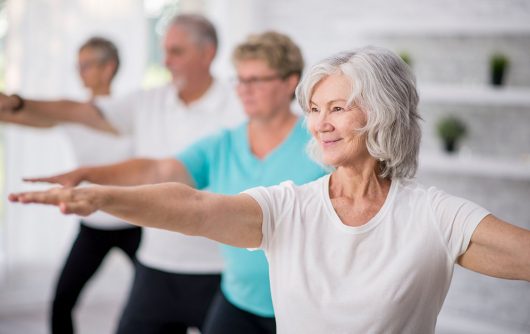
[176, 275]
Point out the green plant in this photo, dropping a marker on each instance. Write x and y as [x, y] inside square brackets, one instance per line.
[499, 61]
[499, 64]
[406, 57]
[451, 129]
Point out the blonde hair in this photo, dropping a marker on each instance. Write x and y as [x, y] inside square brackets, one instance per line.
[277, 50]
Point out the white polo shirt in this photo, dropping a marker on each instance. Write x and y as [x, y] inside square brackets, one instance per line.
[161, 126]
[92, 147]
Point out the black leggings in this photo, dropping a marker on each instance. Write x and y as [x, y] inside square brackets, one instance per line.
[88, 251]
[164, 302]
[225, 318]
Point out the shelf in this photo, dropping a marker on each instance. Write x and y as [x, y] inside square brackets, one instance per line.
[475, 95]
[448, 27]
[476, 166]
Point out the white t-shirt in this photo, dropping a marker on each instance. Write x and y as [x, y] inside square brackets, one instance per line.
[161, 126]
[87, 147]
[390, 275]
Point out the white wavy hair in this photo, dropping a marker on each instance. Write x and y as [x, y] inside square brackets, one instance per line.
[384, 88]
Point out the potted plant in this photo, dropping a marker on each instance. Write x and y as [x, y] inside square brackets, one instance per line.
[499, 64]
[451, 129]
[406, 57]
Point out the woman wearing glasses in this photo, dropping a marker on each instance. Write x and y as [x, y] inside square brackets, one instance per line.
[98, 63]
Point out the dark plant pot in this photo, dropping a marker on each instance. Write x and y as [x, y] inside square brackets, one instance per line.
[497, 76]
[450, 146]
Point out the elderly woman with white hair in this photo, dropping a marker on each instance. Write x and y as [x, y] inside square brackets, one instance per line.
[363, 249]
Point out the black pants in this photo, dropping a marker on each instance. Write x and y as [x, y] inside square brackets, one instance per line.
[163, 302]
[225, 318]
[88, 251]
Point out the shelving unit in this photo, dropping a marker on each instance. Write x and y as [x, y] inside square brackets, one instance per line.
[475, 95]
[470, 165]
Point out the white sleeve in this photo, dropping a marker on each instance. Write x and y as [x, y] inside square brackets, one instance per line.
[119, 112]
[456, 218]
[275, 202]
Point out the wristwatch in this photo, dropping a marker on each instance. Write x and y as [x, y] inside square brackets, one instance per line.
[19, 105]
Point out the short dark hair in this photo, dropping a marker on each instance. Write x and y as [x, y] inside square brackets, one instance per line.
[107, 51]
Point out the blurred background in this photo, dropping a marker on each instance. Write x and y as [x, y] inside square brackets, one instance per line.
[456, 48]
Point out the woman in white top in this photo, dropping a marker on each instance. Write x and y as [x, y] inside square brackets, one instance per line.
[98, 62]
[365, 249]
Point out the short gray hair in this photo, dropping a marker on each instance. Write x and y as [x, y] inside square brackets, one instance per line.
[384, 88]
[199, 27]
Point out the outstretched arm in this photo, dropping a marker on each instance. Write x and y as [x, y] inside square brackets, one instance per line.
[499, 249]
[57, 111]
[127, 173]
[233, 220]
[35, 121]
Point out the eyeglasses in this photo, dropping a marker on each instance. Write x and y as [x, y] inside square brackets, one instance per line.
[255, 81]
[88, 64]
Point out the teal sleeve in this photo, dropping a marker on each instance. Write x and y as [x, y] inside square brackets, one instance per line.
[197, 159]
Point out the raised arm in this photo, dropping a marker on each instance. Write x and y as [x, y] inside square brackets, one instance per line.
[56, 111]
[127, 173]
[233, 220]
[499, 249]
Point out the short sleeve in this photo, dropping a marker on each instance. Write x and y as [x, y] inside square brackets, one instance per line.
[274, 202]
[119, 112]
[197, 158]
[457, 219]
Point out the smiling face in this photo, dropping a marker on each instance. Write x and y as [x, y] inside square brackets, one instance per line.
[334, 124]
[261, 90]
[184, 57]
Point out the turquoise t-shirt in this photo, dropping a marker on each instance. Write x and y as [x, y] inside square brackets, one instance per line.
[224, 164]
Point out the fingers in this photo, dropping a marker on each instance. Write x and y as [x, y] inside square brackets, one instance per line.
[51, 179]
[69, 200]
[67, 180]
[51, 197]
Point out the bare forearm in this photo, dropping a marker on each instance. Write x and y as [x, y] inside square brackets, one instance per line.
[35, 121]
[169, 206]
[137, 172]
[233, 220]
[67, 111]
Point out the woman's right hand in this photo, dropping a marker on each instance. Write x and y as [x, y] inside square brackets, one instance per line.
[70, 179]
